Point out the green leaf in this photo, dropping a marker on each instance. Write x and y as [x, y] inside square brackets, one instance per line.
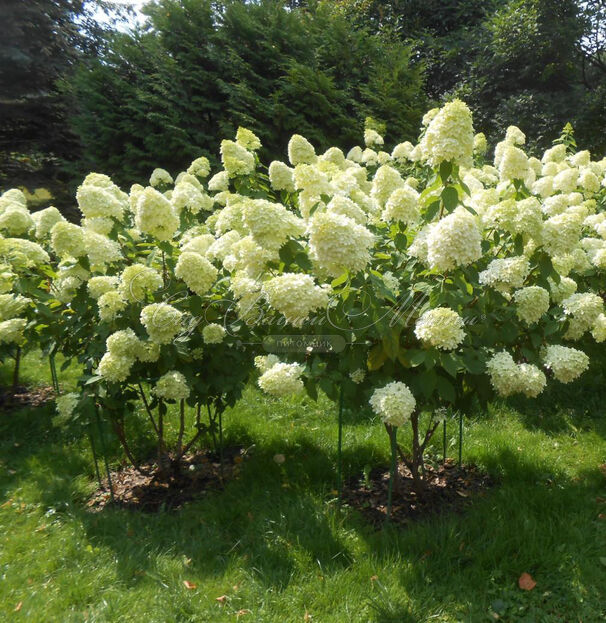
[450, 363]
[376, 357]
[445, 171]
[519, 244]
[432, 210]
[416, 357]
[339, 280]
[446, 390]
[450, 197]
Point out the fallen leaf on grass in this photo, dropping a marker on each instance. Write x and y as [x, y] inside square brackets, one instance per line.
[525, 582]
[602, 516]
[307, 616]
[189, 585]
[374, 578]
[279, 459]
[222, 600]
[18, 606]
[242, 613]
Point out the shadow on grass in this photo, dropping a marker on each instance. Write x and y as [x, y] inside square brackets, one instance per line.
[535, 522]
[274, 520]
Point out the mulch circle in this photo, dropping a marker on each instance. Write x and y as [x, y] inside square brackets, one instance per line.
[23, 396]
[450, 488]
[150, 492]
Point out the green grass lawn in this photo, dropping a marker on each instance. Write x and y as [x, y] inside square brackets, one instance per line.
[275, 544]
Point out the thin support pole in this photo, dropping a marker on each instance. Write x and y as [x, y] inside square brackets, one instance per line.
[221, 440]
[460, 437]
[96, 461]
[103, 448]
[53, 370]
[16, 370]
[392, 470]
[444, 445]
[340, 448]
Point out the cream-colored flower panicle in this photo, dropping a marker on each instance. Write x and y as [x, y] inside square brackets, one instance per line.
[449, 136]
[282, 379]
[567, 364]
[441, 327]
[394, 403]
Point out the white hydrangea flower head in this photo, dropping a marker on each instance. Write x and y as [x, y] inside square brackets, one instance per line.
[11, 331]
[270, 224]
[505, 274]
[197, 244]
[385, 182]
[402, 206]
[154, 215]
[67, 240]
[110, 304]
[96, 202]
[512, 164]
[236, 159]
[264, 362]
[162, 322]
[247, 139]
[310, 179]
[561, 233]
[196, 271]
[580, 159]
[584, 309]
[187, 197]
[295, 296]
[101, 250]
[589, 181]
[372, 138]
[401, 152]
[532, 381]
[503, 373]
[566, 181]
[454, 241]
[394, 403]
[98, 286]
[213, 333]
[515, 136]
[355, 154]
[562, 290]
[137, 281]
[172, 386]
[300, 150]
[160, 177]
[554, 154]
[343, 205]
[282, 379]
[449, 136]
[567, 364]
[338, 244]
[115, 369]
[44, 221]
[441, 328]
[222, 246]
[532, 303]
[281, 176]
[200, 167]
[219, 182]
[16, 220]
[479, 144]
[148, 352]
[598, 330]
[124, 343]
[11, 305]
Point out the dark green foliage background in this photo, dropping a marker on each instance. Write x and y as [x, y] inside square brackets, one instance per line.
[77, 95]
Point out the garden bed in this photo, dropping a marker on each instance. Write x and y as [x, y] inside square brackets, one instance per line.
[153, 491]
[450, 487]
[24, 396]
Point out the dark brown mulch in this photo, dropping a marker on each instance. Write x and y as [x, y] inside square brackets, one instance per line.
[450, 487]
[23, 396]
[200, 472]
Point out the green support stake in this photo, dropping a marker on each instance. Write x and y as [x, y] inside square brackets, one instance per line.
[444, 440]
[392, 470]
[92, 446]
[340, 448]
[221, 440]
[460, 437]
[109, 478]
